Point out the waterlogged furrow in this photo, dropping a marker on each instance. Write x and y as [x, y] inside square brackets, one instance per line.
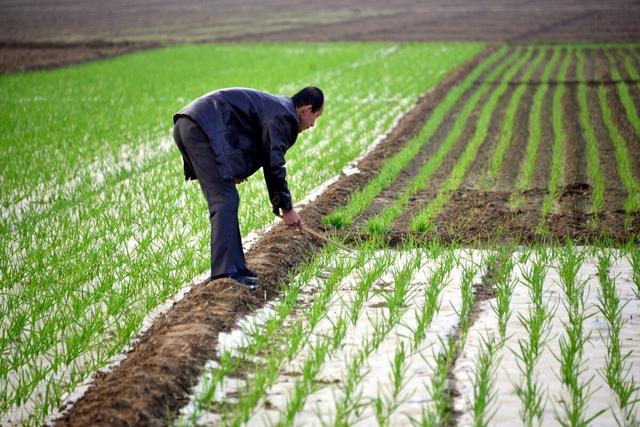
[361, 199]
[593, 158]
[416, 398]
[558, 156]
[535, 134]
[518, 346]
[422, 220]
[629, 175]
[506, 132]
[369, 360]
[381, 222]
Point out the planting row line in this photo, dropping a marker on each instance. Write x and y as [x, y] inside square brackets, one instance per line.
[375, 337]
[465, 101]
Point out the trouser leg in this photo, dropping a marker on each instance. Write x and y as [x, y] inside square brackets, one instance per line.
[221, 195]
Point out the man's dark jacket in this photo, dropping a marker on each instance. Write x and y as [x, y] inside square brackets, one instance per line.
[247, 129]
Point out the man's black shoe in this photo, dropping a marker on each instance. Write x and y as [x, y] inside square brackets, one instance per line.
[249, 282]
[246, 272]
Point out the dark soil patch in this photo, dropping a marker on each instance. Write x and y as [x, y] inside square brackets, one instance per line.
[515, 154]
[153, 382]
[544, 157]
[195, 21]
[423, 197]
[22, 56]
[575, 179]
[406, 176]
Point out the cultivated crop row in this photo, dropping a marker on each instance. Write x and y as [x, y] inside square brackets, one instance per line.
[377, 337]
[510, 126]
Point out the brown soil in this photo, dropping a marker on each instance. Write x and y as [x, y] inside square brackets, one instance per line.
[166, 22]
[21, 56]
[542, 170]
[152, 383]
[473, 178]
[606, 149]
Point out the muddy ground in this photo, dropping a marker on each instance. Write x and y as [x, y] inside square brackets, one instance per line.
[41, 34]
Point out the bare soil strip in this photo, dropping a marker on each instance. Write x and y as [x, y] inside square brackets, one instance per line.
[542, 171]
[154, 380]
[22, 56]
[388, 196]
[472, 180]
[423, 197]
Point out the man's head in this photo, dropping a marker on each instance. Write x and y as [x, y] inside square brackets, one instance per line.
[309, 104]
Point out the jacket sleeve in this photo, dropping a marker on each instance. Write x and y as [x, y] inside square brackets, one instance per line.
[276, 140]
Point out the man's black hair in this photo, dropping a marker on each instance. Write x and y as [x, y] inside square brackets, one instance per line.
[310, 95]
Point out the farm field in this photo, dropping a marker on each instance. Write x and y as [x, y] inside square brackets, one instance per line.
[436, 336]
[495, 277]
[97, 225]
[535, 149]
[37, 33]
[538, 142]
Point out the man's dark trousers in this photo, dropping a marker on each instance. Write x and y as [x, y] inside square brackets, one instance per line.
[222, 197]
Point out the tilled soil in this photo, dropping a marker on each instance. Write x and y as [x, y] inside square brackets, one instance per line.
[153, 382]
[22, 56]
[76, 23]
[479, 216]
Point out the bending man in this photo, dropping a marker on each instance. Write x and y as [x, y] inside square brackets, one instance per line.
[225, 136]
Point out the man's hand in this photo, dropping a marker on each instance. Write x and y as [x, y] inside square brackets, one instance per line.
[292, 219]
